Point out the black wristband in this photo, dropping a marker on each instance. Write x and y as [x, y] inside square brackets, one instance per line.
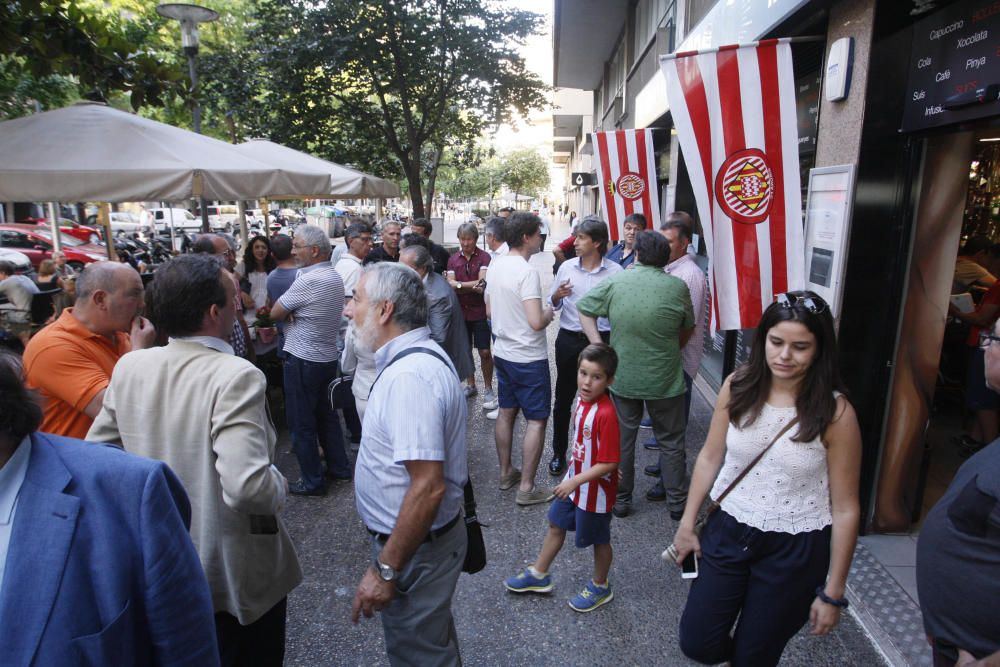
[821, 594]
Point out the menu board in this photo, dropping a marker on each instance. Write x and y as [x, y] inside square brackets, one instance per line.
[954, 66]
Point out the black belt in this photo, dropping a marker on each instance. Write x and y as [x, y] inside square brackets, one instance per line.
[431, 536]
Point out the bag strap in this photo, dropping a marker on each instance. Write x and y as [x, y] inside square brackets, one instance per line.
[756, 460]
[406, 353]
[470, 498]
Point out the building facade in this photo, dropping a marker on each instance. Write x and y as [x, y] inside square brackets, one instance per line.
[918, 131]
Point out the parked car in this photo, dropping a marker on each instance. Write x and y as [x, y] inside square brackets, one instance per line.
[20, 261]
[85, 233]
[183, 219]
[36, 242]
[221, 218]
[121, 222]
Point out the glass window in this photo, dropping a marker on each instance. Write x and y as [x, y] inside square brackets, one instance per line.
[616, 74]
[649, 16]
[66, 239]
[9, 239]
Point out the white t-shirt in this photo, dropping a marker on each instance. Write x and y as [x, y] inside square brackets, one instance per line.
[349, 268]
[511, 282]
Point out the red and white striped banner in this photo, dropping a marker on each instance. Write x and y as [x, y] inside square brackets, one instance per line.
[627, 175]
[734, 110]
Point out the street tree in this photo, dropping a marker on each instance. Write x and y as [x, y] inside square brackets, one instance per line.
[396, 84]
[53, 46]
[526, 172]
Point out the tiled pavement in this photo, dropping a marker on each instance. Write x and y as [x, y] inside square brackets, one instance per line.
[495, 628]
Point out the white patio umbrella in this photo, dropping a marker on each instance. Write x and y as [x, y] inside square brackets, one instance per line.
[92, 152]
[344, 181]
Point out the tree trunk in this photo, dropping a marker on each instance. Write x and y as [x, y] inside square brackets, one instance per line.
[413, 181]
[432, 179]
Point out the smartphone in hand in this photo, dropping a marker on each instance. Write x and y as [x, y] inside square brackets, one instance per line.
[689, 568]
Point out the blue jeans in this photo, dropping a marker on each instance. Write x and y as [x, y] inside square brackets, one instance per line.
[312, 421]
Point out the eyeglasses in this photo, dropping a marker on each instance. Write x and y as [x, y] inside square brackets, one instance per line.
[300, 246]
[986, 338]
[813, 304]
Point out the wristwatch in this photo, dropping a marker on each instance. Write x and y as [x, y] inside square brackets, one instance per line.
[385, 572]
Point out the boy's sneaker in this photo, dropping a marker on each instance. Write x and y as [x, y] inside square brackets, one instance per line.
[527, 582]
[490, 401]
[470, 391]
[493, 414]
[591, 597]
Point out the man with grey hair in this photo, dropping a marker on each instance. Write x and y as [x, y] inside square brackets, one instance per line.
[389, 250]
[70, 361]
[312, 307]
[494, 236]
[411, 471]
[444, 312]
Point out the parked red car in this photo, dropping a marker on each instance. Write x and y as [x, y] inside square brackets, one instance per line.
[36, 243]
[85, 233]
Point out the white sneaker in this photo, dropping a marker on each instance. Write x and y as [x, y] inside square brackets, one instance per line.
[493, 414]
[490, 401]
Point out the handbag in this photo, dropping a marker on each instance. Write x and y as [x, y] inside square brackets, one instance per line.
[715, 504]
[475, 554]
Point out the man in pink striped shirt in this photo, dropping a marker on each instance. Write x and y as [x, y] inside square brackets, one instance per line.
[587, 493]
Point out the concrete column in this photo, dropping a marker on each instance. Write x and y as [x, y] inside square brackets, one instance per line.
[839, 138]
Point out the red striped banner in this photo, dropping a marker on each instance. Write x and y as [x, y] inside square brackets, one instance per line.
[734, 111]
[626, 171]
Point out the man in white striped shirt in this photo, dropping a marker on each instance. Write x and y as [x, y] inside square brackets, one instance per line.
[313, 306]
[411, 471]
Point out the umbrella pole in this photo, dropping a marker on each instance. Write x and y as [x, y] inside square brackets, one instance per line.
[241, 211]
[104, 219]
[267, 221]
[54, 226]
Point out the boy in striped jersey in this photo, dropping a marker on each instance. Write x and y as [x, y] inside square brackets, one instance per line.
[587, 493]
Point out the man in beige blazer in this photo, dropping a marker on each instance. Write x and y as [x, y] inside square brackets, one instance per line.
[201, 409]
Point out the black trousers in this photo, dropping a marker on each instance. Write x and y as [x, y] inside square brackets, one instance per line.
[569, 344]
[260, 644]
[767, 580]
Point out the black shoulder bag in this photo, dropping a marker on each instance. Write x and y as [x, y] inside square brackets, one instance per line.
[475, 555]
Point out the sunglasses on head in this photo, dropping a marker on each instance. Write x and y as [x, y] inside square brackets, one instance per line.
[813, 304]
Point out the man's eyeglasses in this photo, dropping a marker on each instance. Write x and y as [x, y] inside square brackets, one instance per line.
[300, 246]
[813, 304]
[986, 338]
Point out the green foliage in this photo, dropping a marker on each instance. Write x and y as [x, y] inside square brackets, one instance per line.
[526, 172]
[99, 52]
[392, 85]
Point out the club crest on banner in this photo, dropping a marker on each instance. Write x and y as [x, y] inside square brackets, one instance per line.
[626, 170]
[630, 186]
[744, 186]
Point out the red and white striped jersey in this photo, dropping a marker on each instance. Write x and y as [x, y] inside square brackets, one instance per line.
[596, 440]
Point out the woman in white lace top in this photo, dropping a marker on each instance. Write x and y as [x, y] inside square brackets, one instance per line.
[777, 551]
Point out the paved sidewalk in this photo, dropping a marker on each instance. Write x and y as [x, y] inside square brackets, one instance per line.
[639, 627]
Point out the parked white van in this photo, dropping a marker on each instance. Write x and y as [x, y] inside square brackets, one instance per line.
[183, 220]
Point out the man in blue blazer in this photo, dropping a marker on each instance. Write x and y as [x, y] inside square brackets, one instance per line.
[96, 564]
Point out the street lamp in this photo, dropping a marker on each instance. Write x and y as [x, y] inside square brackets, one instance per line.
[190, 16]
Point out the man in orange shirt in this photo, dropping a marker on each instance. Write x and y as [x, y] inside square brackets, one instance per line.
[70, 361]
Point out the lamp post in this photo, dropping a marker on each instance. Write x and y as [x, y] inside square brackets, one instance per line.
[190, 16]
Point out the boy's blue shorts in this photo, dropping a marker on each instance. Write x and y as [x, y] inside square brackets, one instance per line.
[590, 527]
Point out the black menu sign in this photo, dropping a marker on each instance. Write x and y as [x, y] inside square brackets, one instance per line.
[954, 66]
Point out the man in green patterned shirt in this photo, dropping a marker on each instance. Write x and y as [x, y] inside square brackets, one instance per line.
[651, 320]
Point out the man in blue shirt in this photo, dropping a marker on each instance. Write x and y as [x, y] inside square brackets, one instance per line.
[624, 251]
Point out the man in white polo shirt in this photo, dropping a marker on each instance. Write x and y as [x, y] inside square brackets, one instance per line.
[520, 353]
[411, 471]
